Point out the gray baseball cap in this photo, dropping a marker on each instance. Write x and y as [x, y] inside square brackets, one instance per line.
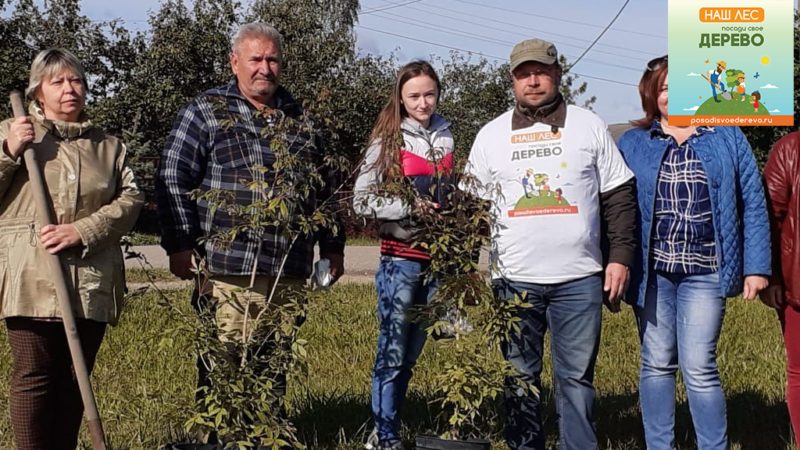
[533, 50]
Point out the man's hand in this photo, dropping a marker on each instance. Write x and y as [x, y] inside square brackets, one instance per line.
[55, 238]
[773, 296]
[427, 207]
[180, 264]
[337, 265]
[616, 283]
[752, 285]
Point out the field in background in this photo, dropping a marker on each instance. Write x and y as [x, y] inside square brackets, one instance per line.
[145, 376]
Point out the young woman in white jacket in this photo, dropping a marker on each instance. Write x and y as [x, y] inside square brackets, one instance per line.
[410, 145]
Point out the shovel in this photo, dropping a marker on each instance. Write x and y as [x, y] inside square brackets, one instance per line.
[725, 94]
[42, 200]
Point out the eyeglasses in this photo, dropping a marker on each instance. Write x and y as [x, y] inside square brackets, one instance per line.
[656, 63]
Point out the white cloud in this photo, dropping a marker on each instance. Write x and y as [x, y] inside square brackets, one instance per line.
[692, 74]
[769, 86]
[775, 110]
[694, 108]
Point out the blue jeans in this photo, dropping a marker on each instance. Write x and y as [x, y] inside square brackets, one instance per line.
[400, 284]
[714, 86]
[679, 326]
[572, 311]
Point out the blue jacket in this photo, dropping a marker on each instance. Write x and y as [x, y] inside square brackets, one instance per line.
[739, 211]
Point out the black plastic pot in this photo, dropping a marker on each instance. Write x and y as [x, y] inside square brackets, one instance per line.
[193, 447]
[201, 447]
[437, 443]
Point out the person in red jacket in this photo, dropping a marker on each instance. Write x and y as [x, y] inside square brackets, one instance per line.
[782, 174]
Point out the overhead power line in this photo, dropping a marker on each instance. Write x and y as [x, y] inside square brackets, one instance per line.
[516, 11]
[384, 8]
[507, 29]
[601, 33]
[511, 28]
[442, 29]
[493, 57]
[496, 58]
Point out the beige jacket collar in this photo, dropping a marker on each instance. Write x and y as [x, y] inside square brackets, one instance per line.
[59, 128]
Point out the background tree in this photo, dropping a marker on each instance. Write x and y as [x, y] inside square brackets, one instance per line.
[359, 91]
[102, 47]
[15, 54]
[322, 64]
[184, 53]
[474, 93]
[573, 91]
[139, 81]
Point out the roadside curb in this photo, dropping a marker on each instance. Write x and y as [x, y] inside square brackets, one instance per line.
[173, 285]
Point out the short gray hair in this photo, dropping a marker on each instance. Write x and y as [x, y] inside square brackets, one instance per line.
[51, 62]
[258, 29]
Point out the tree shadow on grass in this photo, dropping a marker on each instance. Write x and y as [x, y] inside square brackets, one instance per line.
[619, 421]
[754, 422]
[343, 421]
[329, 421]
[758, 422]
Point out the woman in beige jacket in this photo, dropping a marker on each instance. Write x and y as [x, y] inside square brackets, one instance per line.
[95, 201]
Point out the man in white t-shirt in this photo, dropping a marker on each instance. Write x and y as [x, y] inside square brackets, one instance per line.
[563, 239]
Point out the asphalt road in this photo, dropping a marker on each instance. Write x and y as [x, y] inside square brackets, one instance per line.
[360, 261]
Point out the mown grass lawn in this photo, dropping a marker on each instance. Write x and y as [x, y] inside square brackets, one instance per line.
[145, 376]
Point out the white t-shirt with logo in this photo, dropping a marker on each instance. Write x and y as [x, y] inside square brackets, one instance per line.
[544, 188]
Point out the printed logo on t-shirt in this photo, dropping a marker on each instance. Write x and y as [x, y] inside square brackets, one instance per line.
[537, 144]
[542, 192]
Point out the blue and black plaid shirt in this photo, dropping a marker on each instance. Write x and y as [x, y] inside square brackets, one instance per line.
[683, 232]
[216, 142]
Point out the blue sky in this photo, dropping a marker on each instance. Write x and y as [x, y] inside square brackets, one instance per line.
[422, 28]
[638, 35]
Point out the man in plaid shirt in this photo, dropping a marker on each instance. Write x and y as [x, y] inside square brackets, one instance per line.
[225, 140]
[205, 151]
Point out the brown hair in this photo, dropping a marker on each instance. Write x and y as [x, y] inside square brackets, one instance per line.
[649, 90]
[387, 128]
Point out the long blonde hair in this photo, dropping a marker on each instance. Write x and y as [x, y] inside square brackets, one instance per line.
[387, 126]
